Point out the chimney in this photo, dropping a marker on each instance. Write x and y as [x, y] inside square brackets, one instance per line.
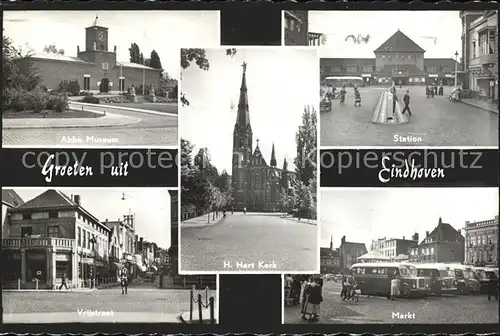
[77, 199]
[404, 238]
[459, 231]
[496, 219]
[343, 240]
[426, 233]
[467, 223]
[106, 220]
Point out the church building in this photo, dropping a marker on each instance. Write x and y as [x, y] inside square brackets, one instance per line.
[399, 59]
[257, 185]
[96, 68]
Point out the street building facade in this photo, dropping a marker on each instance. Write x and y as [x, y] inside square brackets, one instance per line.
[10, 199]
[95, 68]
[481, 242]
[296, 27]
[329, 259]
[480, 50]
[52, 235]
[349, 252]
[394, 247]
[444, 244]
[400, 60]
[256, 183]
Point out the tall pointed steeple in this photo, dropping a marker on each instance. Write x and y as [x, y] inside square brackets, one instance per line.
[331, 242]
[273, 158]
[285, 165]
[243, 118]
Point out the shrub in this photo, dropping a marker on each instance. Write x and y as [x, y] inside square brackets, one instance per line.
[70, 87]
[90, 99]
[15, 99]
[37, 100]
[58, 103]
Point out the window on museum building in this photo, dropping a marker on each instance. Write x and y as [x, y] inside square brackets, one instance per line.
[86, 85]
[53, 231]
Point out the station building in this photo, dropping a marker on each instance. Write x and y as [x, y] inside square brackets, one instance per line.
[96, 68]
[399, 60]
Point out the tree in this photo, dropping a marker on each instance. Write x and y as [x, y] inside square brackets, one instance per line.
[306, 140]
[135, 53]
[199, 57]
[52, 49]
[18, 71]
[154, 60]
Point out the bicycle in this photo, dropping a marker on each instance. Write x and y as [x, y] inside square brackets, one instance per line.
[354, 297]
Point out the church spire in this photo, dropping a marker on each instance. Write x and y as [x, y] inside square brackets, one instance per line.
[243, 118]
[285, 165]
[273, 158]
[331, 242]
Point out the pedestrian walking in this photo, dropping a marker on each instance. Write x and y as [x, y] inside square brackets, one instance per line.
[124, 280]
[357, 97]
[435, 90]
[244, 210]
[232, 210]
[493, 287]
[406, 100]
[394, 101]
[441, 90]
[342, 95]
[394, 287]
[63, 282]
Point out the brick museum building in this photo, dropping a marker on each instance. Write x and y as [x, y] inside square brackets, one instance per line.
[95, 68]
[256, 184]
[399, 60]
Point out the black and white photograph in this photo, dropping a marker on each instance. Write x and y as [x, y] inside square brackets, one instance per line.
[404, 83]
[249, 160]
[86, 78]
[94, 255]
[402, 255]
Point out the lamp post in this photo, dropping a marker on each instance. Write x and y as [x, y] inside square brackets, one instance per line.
[456, 68]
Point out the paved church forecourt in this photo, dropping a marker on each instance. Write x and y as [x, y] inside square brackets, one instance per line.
[240, 241]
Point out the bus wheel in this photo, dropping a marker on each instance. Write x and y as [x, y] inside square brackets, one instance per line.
[405, 293]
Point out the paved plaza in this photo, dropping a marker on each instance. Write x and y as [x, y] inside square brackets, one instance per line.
[435, 122]
[126, 128]
[430, 310]
[242, 240]
[142, 304]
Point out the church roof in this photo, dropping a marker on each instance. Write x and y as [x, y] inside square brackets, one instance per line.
[399, 42]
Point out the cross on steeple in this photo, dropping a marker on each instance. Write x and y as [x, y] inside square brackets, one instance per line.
[95, 21]
[257, 142]
[244, 65]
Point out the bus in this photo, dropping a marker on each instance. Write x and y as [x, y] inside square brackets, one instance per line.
[442, 276]
[348, 81]
[465, 278]
[375, 279]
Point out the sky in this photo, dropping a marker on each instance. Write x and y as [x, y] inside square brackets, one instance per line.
[280, 82]
[420, 26]
[163, 31]
[151, 207]
[364, 215]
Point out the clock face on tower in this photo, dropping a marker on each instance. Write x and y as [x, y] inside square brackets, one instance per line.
[100, 36]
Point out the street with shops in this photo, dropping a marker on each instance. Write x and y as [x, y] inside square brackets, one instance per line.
[429, 310]
[144, 303]
[434, 122]
[251, 242]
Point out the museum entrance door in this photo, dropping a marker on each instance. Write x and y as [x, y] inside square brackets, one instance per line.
[104, 86]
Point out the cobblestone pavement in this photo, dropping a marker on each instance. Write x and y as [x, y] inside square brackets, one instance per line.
[435, 122]
[250, 238]
[154, 130]
[430, 310]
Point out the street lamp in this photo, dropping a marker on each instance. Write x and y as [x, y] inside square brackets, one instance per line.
[456, 68]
